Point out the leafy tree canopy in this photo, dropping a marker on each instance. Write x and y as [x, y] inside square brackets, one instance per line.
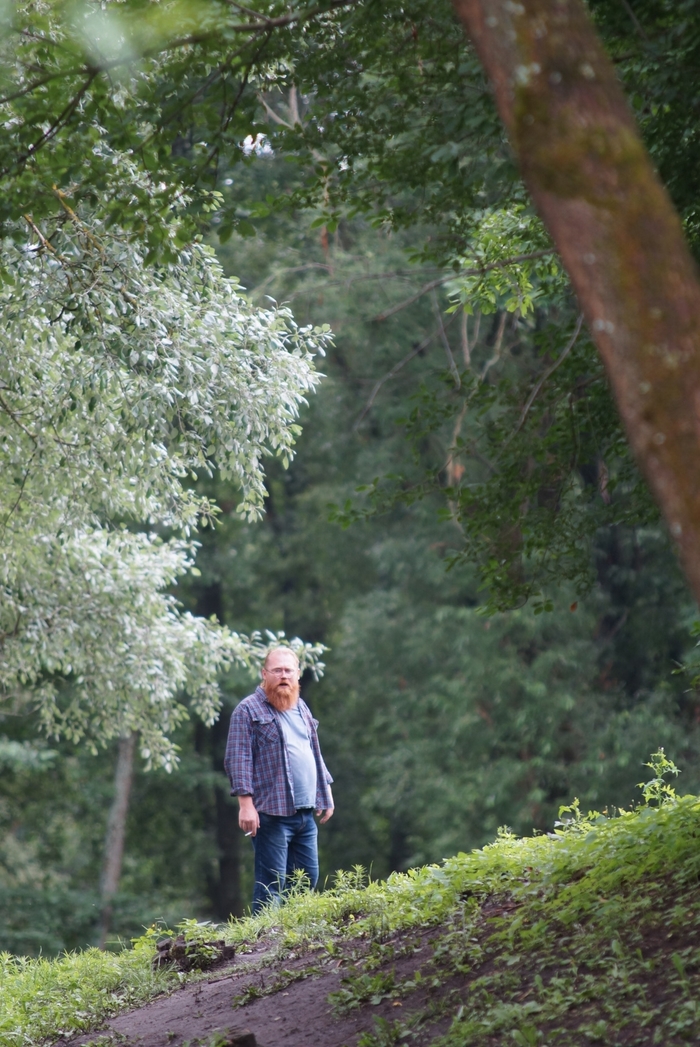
[389, 109]
[384, 109]
[119, 384]
[124, 126]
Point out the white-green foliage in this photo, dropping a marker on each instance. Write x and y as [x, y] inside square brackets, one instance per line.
[118, 382]
[122, 379]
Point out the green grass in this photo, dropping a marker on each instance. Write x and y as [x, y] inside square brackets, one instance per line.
[563, 938]
[39, 999]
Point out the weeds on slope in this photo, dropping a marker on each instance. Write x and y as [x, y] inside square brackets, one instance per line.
[573, 937]
[587, 935]
[42, 999]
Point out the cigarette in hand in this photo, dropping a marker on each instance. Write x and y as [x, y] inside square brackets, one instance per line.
[250, 833]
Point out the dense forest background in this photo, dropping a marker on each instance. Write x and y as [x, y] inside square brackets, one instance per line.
[445, 711]
[439, 723]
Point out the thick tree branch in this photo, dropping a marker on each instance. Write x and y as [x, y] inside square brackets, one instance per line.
[615, 228]
[116, 831]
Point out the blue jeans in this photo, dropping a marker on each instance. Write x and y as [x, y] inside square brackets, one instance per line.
[283, 844]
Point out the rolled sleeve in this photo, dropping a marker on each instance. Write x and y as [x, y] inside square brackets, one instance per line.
[324, 799]
[326, 773]
[238, 762]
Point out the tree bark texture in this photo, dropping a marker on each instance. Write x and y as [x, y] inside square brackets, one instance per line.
[225, 889]
[116, 830]
[220, 809]
[619, 237]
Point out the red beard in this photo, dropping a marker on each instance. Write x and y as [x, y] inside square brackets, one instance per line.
[282, 694]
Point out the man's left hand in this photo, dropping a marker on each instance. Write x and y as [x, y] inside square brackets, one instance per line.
[323, 816]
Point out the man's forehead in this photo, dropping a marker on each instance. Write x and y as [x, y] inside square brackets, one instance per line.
[281, 657]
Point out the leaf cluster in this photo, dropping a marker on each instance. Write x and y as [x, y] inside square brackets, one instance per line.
[118, 383]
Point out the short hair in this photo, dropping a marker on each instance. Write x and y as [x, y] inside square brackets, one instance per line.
[281, 648]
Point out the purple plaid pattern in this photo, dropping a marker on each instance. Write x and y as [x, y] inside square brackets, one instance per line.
[256, 757]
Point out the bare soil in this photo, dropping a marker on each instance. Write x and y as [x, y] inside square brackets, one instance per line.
[329, 996]
[282, 1004]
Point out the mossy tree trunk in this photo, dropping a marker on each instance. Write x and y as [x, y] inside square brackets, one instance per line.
[615, 228]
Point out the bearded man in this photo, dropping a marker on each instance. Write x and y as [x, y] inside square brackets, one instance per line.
[274, 764]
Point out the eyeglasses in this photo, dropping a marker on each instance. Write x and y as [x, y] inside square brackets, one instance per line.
[281, 671]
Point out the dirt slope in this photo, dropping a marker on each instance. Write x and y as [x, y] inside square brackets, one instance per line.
[284, 1003]
[638, 985]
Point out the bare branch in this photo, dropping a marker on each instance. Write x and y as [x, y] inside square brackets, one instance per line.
[273, 115]
[245, 10]
[42, 239]
[445, 343]
[294, 106]
[501, 264]
[637, 24]
[547, 374]
[413, 298]
[451, 467]
[13, 415]
[18, 499]
[60, 74]
[464, 335]
[49, 133]
[391, 374]
[496, 355]
[314, 288]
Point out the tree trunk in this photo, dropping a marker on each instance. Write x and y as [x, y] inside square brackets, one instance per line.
[221, 815]
[116, 827]
[226, 892]
[224, 889]
[615, 228]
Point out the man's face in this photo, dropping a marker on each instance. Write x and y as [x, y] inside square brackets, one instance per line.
[280, 680]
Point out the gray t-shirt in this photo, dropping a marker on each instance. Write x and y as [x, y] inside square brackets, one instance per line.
[301, 758]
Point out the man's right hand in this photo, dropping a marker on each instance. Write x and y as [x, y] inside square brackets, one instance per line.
[248, 818]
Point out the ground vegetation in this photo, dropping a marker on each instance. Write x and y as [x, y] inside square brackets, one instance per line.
[586, 934]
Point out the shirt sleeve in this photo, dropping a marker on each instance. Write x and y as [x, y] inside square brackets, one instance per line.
[327, 774]
[238, 761]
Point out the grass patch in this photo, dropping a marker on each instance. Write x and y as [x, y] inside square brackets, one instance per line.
[586, 935]
[42, 999]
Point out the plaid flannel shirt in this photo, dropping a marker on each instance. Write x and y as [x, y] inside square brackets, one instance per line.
[257, 762]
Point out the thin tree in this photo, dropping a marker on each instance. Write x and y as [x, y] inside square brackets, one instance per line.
[116, 831]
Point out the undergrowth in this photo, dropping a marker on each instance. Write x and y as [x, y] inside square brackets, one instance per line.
[555, 936]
